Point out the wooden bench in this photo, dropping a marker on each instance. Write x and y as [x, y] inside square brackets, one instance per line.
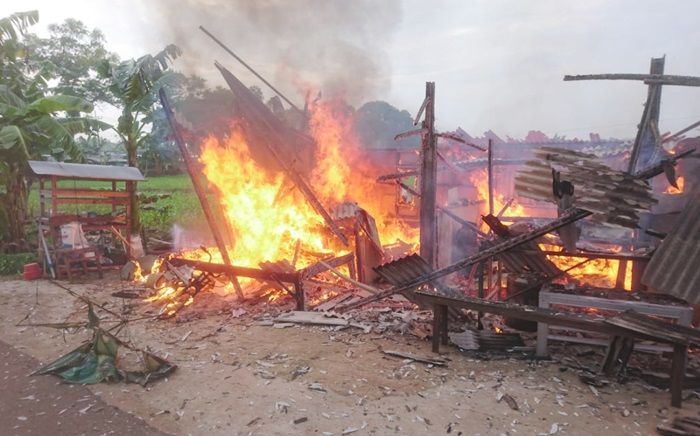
[590, 323]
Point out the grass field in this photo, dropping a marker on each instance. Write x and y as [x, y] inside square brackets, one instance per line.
[181, 206]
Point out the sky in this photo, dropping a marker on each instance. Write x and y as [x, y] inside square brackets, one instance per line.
[497, 64]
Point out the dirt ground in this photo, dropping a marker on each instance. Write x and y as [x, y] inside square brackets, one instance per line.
[236, 377]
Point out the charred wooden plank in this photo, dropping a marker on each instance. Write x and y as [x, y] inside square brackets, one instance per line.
[318, 267]
[242, 271]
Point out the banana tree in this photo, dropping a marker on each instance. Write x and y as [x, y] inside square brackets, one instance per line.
[32, 130]
[135, 84]
[31, 125]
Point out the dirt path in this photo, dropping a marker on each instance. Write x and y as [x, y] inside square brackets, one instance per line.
[238, 378]
[42, 405]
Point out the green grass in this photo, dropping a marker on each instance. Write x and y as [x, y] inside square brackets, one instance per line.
[181, 206]
[180, 182]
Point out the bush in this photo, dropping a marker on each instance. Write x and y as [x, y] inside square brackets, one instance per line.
[13, 263]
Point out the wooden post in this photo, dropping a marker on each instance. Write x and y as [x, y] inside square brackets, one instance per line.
[437, 326]
[678, 363]
[199, 188]
[443, 324]
[621, 273]
[299, 295]
[490, 176]
[645, 141]
[54, 201]
[428, 221]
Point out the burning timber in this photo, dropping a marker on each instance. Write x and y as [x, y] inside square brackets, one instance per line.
[463, 240]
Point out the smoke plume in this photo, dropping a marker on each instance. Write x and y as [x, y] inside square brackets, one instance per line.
[335, 46]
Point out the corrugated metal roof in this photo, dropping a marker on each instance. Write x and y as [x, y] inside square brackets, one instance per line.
[675, 266]
[403, 270]
[406, 269]
[85, 171]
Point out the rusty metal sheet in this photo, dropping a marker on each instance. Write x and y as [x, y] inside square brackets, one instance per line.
[85, 171]
[675, 266]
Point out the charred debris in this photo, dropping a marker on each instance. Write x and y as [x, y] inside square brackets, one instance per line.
[501, 267]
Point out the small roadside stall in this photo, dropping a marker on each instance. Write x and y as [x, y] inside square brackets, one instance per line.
[84, 215]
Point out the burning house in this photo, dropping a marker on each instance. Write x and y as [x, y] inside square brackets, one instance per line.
[305, 213]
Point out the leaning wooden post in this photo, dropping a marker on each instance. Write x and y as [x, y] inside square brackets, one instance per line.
[198, 188]
[428, 221]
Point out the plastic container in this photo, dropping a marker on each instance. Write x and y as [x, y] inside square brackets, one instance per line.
[32, 271]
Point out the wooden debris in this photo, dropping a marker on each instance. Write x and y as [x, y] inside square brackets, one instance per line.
[510, 401]
[317, 318]
[613, 196]
[423, 359]
[484, 340]
[682, 425]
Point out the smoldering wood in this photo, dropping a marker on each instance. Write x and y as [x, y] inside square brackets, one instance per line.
[254, 273]
[326, 264]
[567, 218]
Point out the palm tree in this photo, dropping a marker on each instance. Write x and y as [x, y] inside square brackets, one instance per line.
[135, 84]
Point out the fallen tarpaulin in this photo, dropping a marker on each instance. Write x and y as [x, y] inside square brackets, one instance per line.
[96, 361]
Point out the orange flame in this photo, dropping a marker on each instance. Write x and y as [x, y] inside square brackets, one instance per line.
[480, 180]
[675, 191]
[596, 272]
[266, 219]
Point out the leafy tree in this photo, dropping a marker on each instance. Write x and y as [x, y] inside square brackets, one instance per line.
[30, 124]
[135, 85]
[378, 122]
[72, 55]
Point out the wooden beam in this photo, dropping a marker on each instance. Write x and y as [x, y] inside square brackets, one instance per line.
[651, 79]
[326, 264]
[86, 193]
[428, 182]
[238, 271]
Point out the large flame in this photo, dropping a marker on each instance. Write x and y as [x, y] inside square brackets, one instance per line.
[596, 272]
[343, 171]
[269, 220]
[265, 222]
